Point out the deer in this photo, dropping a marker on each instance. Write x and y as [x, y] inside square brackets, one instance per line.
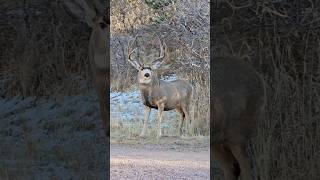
[98, 53]
[238, 103]
[159, 94]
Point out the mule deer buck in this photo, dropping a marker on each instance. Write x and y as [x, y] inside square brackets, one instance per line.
[95, 18]
[159, 94]
[238, 104]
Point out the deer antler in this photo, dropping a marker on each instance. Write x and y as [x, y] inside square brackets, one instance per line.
[82, 10]
[130, 52]
[162, 49]
[133, 62]
[159, 60]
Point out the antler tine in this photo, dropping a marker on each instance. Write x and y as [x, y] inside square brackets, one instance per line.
[130, 52]
[162, 49]
[133, 62]
[85, 6]
[79, 9]
[97, 5]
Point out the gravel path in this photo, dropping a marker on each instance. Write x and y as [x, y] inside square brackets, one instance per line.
[133, 162]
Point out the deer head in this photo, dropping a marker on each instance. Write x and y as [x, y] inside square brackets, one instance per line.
[95, 17]
[145, 72]
[92, 14]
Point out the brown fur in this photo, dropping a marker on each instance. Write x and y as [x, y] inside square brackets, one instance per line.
[238, 104]
[98, 45]
[158, 94]
[98, 54]
[166, 96]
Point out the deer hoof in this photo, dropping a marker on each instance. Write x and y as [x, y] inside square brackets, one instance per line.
[181, 135]
[159, 136]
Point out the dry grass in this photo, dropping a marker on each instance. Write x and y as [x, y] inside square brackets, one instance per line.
[128, 134]
[281, 39]
[184, 27]
[284, 49]
[44, 52]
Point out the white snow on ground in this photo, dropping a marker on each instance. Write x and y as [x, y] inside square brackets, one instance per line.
[40, 137]
[52, 138]
[127, 107]
[169, 78]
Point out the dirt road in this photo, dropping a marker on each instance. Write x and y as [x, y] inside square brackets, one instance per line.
[150, 162]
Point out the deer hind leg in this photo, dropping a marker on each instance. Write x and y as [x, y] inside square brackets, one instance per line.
[182, 114]
[227, 161]
[160, 115]
[146, 117]
[187, 119]
[240, 153]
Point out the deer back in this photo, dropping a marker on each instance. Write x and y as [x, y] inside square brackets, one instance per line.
[174, 94]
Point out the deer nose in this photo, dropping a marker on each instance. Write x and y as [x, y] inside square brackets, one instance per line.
[146, 74]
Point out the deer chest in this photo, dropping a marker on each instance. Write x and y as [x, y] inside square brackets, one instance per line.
[148, 101]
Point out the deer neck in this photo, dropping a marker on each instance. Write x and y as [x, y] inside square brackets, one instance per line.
[147, 89]
[99, 50]
[155, 83]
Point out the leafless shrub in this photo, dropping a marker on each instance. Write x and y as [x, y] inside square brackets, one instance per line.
[281, 40]
[44, 49]
[183, 26]
[47, 51]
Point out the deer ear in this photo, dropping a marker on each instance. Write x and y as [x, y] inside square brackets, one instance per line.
[79, 9]
[157, 64]
[135, 64]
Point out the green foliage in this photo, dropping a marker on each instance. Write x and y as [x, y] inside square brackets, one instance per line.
[158, 6]
[159, 18]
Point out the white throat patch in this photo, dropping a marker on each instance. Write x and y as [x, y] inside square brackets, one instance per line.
[143, 78]
[101, 60]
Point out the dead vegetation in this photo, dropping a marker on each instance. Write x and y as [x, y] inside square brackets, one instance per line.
[281, 40]
[184, 27]
[45, 51]
[43, 65]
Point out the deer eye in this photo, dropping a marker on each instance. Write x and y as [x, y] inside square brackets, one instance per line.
[102, 25]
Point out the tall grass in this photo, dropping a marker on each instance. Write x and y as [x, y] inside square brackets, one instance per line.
[45, 51]
[184, 27]
[282, 41]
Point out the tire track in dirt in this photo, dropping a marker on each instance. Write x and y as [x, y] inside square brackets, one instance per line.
[133, 162]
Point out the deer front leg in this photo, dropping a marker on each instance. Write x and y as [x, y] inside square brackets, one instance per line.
[146, 117]
[160, 113]
[101, 87]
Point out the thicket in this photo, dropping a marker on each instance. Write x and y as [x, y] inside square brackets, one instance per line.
[281, 39]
